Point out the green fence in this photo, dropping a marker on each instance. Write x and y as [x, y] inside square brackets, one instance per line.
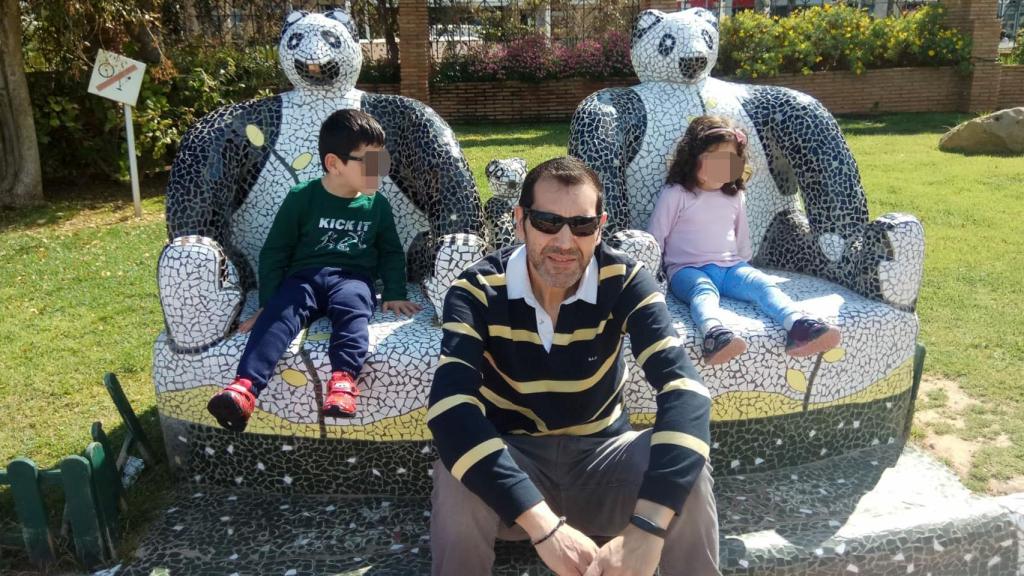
[92, 489]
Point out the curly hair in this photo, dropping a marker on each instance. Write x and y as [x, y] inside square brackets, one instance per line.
[697, 140]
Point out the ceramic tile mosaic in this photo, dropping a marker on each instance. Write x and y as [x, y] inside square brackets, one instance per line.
[850, 515]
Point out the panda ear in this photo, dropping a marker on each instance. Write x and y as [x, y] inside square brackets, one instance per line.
[645, 21]
[291, 19]
[340, 15]
[706, 15]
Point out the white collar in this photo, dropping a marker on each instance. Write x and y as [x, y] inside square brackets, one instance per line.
[517, 277]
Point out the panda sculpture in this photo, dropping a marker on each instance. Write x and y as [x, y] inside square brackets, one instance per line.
[809, 227]
[806, 206]
[505, 178]
[236, 164]
[233, 169]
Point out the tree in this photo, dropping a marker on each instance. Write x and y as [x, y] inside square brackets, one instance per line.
[20, 173]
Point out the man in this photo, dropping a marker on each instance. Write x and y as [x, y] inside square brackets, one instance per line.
[526, 407]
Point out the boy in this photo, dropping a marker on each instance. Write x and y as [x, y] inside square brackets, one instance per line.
[331, 238]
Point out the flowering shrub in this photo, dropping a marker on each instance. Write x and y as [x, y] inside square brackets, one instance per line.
[829, 37]
[534, 58]
[837, 37]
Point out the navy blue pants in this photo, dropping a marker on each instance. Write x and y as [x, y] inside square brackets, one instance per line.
[344, 297]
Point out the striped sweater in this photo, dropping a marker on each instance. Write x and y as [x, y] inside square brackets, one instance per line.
[495, 378]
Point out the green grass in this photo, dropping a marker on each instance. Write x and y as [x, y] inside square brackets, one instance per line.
[78, 291]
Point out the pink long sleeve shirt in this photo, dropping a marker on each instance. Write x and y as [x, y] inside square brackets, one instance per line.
[694, 229]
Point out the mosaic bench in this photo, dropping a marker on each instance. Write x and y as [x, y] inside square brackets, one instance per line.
[851, 515]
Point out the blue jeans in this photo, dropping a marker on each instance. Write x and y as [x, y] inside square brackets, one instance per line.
[346, 298]
[701, 288]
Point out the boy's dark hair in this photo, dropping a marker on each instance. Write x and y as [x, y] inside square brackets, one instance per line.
[696, 141]
[347, 130]
[568, 171]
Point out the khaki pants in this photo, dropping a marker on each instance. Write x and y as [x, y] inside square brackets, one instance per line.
[593, 482]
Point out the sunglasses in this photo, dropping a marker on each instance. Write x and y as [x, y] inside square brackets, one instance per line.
[549, 223]
[375, 163]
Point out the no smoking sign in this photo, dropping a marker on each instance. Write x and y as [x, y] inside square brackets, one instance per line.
[117, 77]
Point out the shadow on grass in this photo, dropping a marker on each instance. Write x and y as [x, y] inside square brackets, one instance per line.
[901, 124]
[65, 201]
[144, 501]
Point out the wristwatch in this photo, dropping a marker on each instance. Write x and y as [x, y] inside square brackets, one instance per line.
[647, 525]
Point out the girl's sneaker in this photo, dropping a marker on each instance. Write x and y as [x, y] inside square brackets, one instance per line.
[341, 396]
[233, 405]
[809, 336]
[721, 345]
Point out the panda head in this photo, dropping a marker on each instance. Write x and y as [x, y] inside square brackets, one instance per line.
[320, 51]
[679, 47]
[506, 177]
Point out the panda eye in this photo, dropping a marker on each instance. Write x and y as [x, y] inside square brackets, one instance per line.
[294, 40]
[708, 39]
[331, 38]
[667, 44]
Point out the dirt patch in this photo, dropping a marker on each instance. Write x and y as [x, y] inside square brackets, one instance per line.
[941, 406]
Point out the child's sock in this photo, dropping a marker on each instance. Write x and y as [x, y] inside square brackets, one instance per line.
[709, 324]
[790, 320]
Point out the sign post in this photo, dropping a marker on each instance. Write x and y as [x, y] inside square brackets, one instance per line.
[119, 79]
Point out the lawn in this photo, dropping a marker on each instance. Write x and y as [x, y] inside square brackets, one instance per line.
[78, 292]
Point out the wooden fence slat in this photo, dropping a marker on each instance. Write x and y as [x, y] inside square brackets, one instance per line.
[107, 490]
[28, 505]
[85, 527]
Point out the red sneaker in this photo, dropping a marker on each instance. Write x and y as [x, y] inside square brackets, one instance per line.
[233, 405]
[341, 396]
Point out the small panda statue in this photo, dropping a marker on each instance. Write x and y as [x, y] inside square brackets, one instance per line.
[505, 178]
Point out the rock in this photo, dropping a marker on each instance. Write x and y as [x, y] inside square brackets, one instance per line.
[999, 132]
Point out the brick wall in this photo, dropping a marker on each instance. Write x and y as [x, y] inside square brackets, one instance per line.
[380, 88]
[1011, 87]
[875, 91]
[514, 101]
[878, 91]
[415, 49]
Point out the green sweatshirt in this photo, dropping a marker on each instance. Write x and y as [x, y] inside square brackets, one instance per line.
[314, 228]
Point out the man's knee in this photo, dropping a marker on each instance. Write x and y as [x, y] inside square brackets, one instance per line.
[454, 508]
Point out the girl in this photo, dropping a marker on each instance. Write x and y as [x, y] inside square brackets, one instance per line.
[700, 221]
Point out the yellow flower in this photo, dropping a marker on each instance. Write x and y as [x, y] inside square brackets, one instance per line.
[931, 52]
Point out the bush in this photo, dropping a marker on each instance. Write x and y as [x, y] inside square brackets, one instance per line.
[535, 59]
[1016, 56]
[837, 37]
[81, 134]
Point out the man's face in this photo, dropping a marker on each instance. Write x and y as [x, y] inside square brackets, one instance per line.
[558, 260]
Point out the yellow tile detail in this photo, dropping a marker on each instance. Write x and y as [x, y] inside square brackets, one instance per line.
[834, 355]
[796, 379]
[294, 377]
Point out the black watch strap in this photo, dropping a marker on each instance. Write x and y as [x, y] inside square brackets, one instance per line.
[648, 526]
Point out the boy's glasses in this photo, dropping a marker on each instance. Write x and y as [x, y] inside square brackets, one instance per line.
[549, 223]
[375, 163]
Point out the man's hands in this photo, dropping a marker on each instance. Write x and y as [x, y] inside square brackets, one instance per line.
[634, 553]
[568, 552]
[248, 324]
[402, 307]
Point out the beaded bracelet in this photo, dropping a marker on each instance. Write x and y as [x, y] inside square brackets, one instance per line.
[561, 522]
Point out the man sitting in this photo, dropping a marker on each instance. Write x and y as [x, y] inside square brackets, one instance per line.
[526, 407]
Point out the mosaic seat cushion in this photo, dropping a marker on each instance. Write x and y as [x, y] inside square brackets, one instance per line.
[759, 398]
